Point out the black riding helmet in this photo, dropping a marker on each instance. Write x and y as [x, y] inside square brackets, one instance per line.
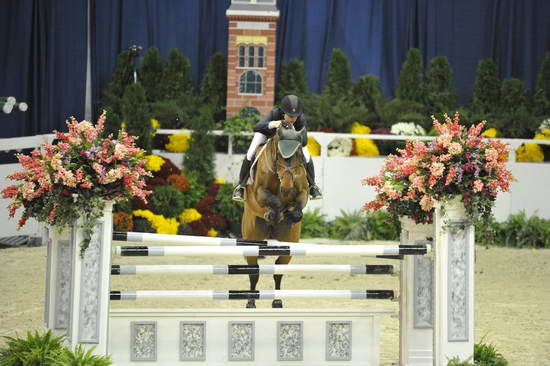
[292, 106]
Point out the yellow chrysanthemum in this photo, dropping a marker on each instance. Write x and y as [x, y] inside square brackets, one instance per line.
[178, 143]
[155, 124]
[123, 125]
[529, 152]
[161, 224]
[313, 146]
[543, 135]
[154, 162]
[219, 181]
[491, 132]
[190, 215]
[212, 233]
[364, 147]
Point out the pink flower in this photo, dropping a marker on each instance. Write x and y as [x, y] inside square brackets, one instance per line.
[450, 176]
[455, 148]
[426, 203]
[437, 169]
[10, 192]
[478, 186]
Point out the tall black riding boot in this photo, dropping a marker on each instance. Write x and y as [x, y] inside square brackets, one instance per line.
[238, 193]
[314, 191]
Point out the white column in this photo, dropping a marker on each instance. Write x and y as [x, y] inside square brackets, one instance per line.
[89, 305]
[453, 283]
[58, 279]
[415, 298]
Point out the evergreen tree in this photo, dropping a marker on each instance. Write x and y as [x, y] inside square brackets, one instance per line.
[199, 158]
[112, 96]
[135, 111]
[367, 91]
[339, 81]
[293, 79]
[439, 83]
[214, 86]
[541, 98]
[175, 77]
[513, 118]
[151, 74]
[410, 85]
[486, 93]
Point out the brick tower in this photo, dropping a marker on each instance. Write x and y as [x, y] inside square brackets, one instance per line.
[251, 55]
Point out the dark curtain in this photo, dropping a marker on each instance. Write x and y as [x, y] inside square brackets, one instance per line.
[198, 28]
[43, 63]
[43, 43]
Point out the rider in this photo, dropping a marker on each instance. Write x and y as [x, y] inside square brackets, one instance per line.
[291, 110]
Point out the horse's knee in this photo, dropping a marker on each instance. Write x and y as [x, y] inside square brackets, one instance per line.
[294, 216]
[273, 216]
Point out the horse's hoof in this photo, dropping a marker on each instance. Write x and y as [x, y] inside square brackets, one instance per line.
[277, 304]
[251, 304]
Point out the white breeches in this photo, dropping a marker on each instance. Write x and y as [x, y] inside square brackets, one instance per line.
[259, 138]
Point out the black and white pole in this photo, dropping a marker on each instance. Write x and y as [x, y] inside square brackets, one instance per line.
[254, 294]
[254, 251]
[237, 269]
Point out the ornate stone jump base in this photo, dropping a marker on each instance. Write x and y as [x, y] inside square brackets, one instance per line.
[260, 336]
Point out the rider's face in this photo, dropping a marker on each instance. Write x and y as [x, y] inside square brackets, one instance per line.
[290, 119]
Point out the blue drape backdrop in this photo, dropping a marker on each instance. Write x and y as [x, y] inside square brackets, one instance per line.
[43, 43]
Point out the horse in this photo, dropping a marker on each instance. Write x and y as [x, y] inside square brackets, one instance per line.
[275, 199]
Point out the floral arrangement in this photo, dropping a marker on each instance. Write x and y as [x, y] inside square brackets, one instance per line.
[407, 129]
[178, 143]
[363, 147]
[458, 162]
[73, 178]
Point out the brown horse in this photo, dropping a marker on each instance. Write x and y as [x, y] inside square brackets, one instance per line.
[275, 200]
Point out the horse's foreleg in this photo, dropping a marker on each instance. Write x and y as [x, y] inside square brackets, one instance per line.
[253, 280]
[277, 303]
[270, 201]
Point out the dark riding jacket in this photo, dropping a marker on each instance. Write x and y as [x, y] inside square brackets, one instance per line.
[277, 115]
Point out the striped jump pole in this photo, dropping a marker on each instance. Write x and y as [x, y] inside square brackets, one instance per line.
[237, 269]
[254, 251]
[255, 294]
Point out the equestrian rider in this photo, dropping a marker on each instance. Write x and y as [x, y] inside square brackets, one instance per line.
[291, 110]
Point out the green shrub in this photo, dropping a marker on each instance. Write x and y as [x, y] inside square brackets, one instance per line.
[486, 92]
[380, 226]
[81, 357]
[169, 114]
[168, 201]
[339, 81]
[335, 113]
[349, 226]
[487, 355]
[196, 191]
[135, 111]
[199, 158]
[231, 210]
[175, 79]
[518, 231]
[34, 350]
[151, 74]
[214, 85]
[441, 96]
[235, 126]
[455, 361]
[514, 119]
[314, 225]
[142, 225]
[123, 206]
[488, 232]
[410, 85]
[367, 91]
[293, 79]
[541, 107]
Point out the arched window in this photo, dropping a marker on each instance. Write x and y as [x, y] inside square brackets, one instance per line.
[250, 83]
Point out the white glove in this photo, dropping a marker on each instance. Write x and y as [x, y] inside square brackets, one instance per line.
[274, 124]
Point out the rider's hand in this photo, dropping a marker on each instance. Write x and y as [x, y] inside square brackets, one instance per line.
[274, 124]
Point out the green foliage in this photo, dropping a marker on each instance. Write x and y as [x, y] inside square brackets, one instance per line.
[136, 115]
[455, 361]
[123, 206]
[81, 357]
[112, 96]
[487, 355]
[396, 110]
[339, 81]
[169, 114]
[521, 232]
[381, 227]
[151, 74]
[324, 111]
[231, 210]
[367, 91]
[514, 118]
[486, 92]
[199, 158]
[197, 189]
[541, 107]
[34, 350]
[293, 79]
[350, 226]
[439, 82]
[314, 225]
[235, 126]
[142, 225]
[175, 79]
[168, 201]
[214, 86]
[410, 85]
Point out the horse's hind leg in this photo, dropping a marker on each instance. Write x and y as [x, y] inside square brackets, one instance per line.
[278, 303]
[253, 280]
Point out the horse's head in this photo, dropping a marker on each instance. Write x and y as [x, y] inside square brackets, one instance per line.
[289, 142]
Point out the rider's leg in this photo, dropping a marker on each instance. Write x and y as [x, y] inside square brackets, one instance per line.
[314, 191]
[257, 140]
